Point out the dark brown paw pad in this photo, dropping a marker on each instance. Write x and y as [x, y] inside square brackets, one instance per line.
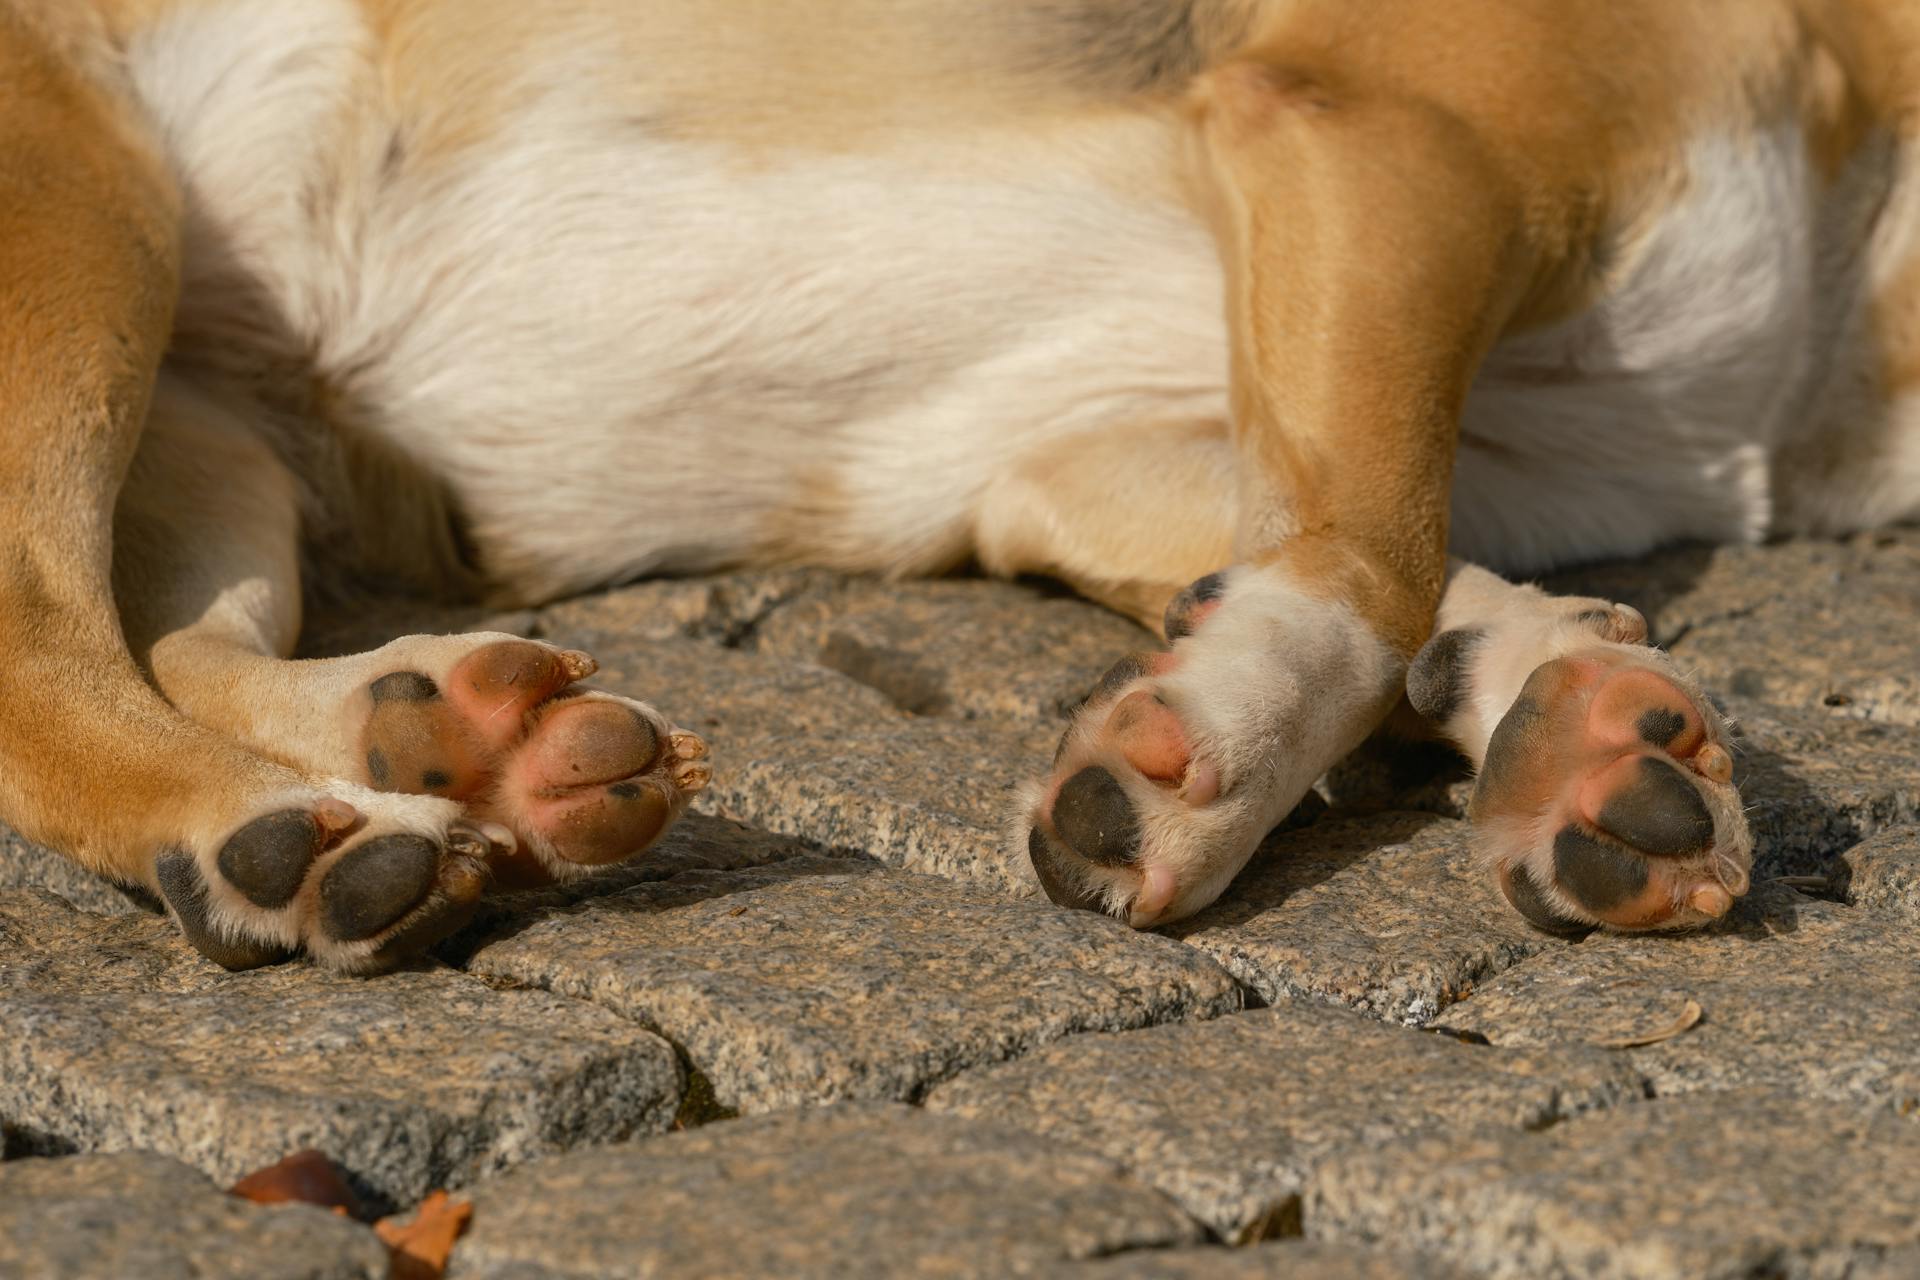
[1525, 895]
[1092, 823]
[268, 859]
[1195, 603]
[1647, 802]
[185, 893]
[403, 886]
[373, 886]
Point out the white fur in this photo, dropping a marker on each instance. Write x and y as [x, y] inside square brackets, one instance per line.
[625, 351]
[1652, 416]
[629, 352]
[1273, 686]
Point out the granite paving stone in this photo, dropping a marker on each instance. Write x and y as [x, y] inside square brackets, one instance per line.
[1387, 913]
[1814, 624]
[1816, 785]
[1292, 1260]
[1740, 1184]
[1805, 996]
[1852, 655]
[140, 1216]
[116, 1035]
[25, 865]
[848, 1191]
[818, 980]
[806, 751]
[1230, 1117]
[956, 649]
[1883, 872]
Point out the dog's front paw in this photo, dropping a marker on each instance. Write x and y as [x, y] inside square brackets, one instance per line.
[1179, 763]
[581, 778]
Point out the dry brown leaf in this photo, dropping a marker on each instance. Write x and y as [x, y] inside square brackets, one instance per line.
[305, 1177]
[1690, 1014]
[420, 1246]
[1806, 884]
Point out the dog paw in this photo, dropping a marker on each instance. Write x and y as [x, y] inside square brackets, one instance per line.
[580, 778]
[357, 880]
[1125, 779]
[1179, 763]
[1606, 798]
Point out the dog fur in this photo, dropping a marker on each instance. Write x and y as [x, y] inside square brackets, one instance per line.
[1312, 304]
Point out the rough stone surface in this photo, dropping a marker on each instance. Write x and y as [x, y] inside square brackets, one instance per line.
[145, 1217]
[1293, 1260]
[886, 725]
[1883, 872]
[25, 865]
[1231, 1116]
[698, 842]
[839, 1192]
[822, 980]
[1805, 996]
[1822, 625]
[1738, 1185]
[1387, 914]
[1815, 784]
[1809, 624]
[115, 1035]
[956, 649]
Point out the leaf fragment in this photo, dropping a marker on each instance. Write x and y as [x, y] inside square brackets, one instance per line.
[421, 1245]
[1689, 1017]
[305, 1177]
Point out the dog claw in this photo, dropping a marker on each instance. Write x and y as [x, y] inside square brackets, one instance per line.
[1714, 763]
[578, 665]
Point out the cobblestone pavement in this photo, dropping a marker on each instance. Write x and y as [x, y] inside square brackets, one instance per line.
[1357, 1064]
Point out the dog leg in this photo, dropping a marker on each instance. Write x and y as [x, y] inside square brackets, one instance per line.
[1375, 246]
[92, 760]
[466, 758]
[1605, 792]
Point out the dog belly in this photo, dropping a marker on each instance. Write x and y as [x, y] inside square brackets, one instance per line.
[1656, 416]
[827, 360]
[628, 351]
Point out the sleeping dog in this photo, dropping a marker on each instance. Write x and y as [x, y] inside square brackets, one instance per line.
[1284, 326]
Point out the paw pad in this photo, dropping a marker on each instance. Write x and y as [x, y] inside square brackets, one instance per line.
[268, 859]
[1094, 817]
[1605, 797]
[186, 893]
[370, 887]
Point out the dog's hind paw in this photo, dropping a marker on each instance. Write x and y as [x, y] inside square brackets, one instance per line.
[580, 777]
[1607, 798]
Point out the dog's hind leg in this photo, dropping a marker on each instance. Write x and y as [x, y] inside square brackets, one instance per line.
[92, 759]
[442, 760]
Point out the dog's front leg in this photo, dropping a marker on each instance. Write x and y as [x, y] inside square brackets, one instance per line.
[1375, 244]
